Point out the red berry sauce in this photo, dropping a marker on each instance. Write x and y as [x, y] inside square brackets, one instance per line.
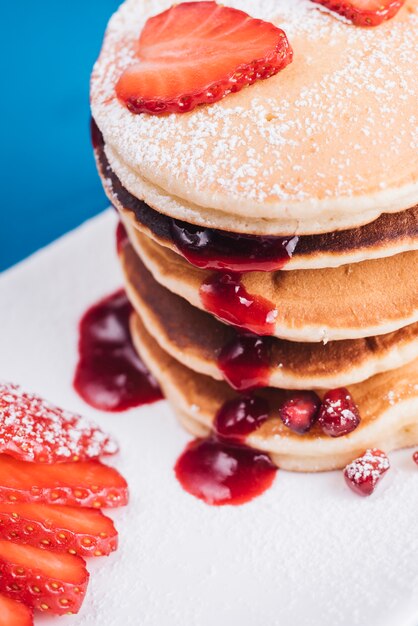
[221, 469]
[219, 473]
[121, 237]
[215, 249]
[246, 362]
[110, 376]
[224, 296]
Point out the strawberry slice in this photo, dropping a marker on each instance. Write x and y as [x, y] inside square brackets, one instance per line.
[75, 530]
[31, 429]
[89, 484]
[43, 580]
[14, 613]
[197, 53]
[364, 12]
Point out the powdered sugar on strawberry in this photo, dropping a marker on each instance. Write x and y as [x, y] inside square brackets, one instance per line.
[32, 429]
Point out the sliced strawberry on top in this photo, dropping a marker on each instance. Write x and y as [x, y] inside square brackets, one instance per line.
[32, 429]
[364, 12]
[14, 613]
[89, 484]
[197, 53]
[44, 580]
[75, 530]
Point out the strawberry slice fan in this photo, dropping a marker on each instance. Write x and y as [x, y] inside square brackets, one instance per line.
[52, 487]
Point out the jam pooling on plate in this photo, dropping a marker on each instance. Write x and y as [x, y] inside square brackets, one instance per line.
[219, 473]
[224, 296]
[246, 361]
[215, 249]
[221, 469]
[110, 375]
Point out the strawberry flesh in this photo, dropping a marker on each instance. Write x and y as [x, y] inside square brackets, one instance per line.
[14, 613]
[43, 580]
[75, 530]
[89, 484]
[31, 429]
[196, 53]
[363, 474]
[364, 12]
[339, 414]
[299, 411]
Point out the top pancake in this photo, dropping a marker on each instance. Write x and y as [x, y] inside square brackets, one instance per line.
[328, 143]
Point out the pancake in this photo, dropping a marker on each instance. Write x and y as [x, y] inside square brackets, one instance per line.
[197, 339]
[388, 405]
[183, 210]
[329, 143]
[388, 235]
[349, 302]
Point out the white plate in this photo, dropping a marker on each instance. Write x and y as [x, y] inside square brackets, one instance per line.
[307, 553]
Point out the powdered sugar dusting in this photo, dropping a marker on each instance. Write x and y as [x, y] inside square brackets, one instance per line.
[332, 125]
[364, 473]
[370, 464]
[31, 429]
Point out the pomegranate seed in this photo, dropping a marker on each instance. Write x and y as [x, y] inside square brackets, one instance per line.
[363, 474]
[300, 411]
[339, 414]
[415, 457]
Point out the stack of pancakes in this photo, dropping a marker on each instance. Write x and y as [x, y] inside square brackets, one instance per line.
[324, 155]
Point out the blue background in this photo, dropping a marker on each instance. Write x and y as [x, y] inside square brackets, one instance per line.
[48, 179]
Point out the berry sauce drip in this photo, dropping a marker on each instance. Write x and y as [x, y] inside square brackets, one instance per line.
[240, 417]
[110, 376]
[219, 473]
[221, 469]
[224, 296]
[246, 362]
[121, 237]
[209, 248]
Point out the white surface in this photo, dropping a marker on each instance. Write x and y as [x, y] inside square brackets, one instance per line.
[307, 553]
